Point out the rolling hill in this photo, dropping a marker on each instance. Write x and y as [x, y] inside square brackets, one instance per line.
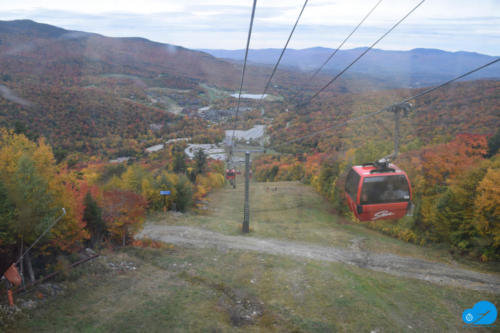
[412, 69]
[41, 51]
[87, 92]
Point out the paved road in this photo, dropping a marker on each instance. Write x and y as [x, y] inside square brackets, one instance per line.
[387, 263]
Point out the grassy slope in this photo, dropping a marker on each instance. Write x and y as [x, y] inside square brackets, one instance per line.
[191, 290]
[295, 212]
[198, 290]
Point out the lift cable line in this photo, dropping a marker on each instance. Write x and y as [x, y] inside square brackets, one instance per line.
[283, 51]
[344, 41]
[338, 48]
[243, 72]
[42, 234]
[362, 54]
[390, 107]
[452, 80]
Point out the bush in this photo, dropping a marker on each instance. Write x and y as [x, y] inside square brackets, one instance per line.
[184, 191]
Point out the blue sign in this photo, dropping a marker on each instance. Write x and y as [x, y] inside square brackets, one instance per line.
[482, 314]
[164, 192]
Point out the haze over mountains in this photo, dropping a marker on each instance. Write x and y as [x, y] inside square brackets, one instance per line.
[414, 68]
[75, 53]
[84, 91]
[64, 53]
[80, 53]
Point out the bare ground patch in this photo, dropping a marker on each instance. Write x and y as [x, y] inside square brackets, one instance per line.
[387, 263]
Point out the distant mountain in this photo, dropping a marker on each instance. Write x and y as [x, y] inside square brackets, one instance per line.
[87, 92]
[42, 51]
[414, 68]
[84, 91]
[33, 49]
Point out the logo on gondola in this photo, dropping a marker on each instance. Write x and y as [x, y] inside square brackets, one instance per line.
[382, 213]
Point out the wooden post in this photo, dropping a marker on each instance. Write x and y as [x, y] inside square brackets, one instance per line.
[10, 297]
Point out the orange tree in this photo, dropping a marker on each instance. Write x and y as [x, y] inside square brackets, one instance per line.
[124, 213]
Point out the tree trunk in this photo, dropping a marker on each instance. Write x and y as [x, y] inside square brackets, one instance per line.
[30, 267]
[21, 262]
[93, 241]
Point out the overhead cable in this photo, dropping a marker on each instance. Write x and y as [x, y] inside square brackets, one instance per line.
[362, 54]
[283, 50]
[388, 108]
[344, 41]
[244, 68]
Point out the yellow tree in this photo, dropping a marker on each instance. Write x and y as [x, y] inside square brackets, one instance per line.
[37, 189]
[487, 211]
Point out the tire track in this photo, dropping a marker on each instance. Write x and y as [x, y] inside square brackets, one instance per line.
[381, 262]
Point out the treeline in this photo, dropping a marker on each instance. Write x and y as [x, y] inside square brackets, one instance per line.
[465, 107]
[455, 189]
[106, 204]
[94, 120]
[78, 119]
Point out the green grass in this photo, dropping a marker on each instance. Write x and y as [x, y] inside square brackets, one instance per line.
[182, 289]
[213, 94]
[164, 100]
[193, 290]
[295, 212]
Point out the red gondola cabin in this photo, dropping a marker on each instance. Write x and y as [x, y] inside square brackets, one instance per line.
[378, 191]
[230, 174]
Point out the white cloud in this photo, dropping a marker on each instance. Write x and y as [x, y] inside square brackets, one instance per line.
[95, 6]
[448, 24]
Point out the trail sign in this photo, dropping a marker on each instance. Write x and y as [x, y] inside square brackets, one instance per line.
[164, 193]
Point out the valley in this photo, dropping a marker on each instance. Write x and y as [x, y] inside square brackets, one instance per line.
[134, 141]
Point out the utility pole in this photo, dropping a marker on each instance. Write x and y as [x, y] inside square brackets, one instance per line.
[397, 117]
[246, 210]
[396, 109]
[246, 213]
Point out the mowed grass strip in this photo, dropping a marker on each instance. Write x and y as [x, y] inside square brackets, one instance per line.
[209, 290]
[293, 211]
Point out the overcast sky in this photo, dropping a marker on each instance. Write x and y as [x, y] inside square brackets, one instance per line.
[453, 25]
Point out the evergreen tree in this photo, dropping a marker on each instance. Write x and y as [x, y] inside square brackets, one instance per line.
[7, 211]
[92, 215]
[494, 144]
[184, 193]
[200, 159]
[7, 234]
[179, 163]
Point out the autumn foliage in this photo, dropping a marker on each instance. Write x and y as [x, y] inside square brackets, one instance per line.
[455, 190]
[123, 213]
[103, 202]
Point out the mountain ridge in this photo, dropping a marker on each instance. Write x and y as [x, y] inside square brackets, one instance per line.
[410, 69]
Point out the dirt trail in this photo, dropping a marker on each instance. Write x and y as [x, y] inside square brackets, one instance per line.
[387, 263]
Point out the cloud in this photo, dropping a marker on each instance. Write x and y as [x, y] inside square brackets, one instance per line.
[448, 24]
[6, 93]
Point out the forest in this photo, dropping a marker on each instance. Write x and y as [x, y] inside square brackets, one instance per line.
[449, 148]
[105, 203]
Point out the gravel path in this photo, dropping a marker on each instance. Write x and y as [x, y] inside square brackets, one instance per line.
[387, 263]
